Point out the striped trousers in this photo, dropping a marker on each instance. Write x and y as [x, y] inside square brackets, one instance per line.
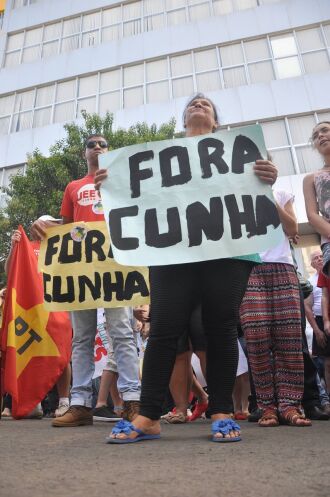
[271, 321]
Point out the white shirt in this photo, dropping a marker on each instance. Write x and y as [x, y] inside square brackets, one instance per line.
[317, 295]
[282, 252]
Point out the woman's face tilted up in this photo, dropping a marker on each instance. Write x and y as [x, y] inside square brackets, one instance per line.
[200, 117]
[321, 138]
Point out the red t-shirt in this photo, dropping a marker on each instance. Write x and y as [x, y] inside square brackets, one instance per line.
[323, 281]
[81, 202]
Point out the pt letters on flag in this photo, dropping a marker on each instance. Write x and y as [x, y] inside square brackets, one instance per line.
[189, 199]
[79, 271]
[35, 343]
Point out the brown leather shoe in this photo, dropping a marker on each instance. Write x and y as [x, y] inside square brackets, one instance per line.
[131, 409]
[75, 416]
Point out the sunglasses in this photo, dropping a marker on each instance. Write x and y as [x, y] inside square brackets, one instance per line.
[93, 143]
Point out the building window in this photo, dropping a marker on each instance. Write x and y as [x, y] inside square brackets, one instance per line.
[312, 45]
[251, 61]
[157, 81]
[6, 173]
[222, 7]
[198, 12]
[288, 141]
[207, 70]
[113, 23]
[232, 62]
[9, 172]
[23, 3]
[285, 56]
[259, 63]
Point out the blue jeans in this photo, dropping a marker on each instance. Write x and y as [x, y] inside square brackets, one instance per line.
[118, 321]
[324, 397]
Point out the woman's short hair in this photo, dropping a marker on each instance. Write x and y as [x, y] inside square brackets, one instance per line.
[195, 97]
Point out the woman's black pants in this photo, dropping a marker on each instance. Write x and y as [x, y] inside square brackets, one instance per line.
[220, 285]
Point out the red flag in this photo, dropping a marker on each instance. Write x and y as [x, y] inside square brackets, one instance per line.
[35, 343]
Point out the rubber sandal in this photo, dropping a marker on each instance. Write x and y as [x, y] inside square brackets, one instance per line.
[127, 428]
[224, 426]
[200, 408]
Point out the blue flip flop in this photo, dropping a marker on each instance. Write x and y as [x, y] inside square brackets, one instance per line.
[224, 426]
[126, 427]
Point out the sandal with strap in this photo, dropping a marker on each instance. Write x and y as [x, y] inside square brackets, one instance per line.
[268, 415]
[292, 417]
[198, 411]
[225, 426]
[240, 416]
[174, 418]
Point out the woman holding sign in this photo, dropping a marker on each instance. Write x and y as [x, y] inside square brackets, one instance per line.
[220, 285]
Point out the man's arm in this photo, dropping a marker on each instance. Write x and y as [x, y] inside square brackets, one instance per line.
[16, 238]
[288, 219]
[39, 227]
[325, 310]
[66, 220]
[319, 335]
[141, 313]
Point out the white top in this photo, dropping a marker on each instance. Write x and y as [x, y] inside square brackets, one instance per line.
[317, 295]
[282, 252]
[46, 217]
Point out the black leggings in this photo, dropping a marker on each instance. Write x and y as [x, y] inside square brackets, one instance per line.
[220, 285]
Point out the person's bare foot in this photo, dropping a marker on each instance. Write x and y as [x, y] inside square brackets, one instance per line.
[269, 419]
[146, 425]
[232, 433]
[302, 422]
[293, 417]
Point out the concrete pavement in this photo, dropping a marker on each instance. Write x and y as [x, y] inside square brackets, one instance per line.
[40, 461]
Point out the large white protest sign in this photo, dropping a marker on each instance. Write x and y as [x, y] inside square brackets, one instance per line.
[189, 199]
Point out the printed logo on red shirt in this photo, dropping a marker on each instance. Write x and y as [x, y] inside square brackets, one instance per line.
[87, 195]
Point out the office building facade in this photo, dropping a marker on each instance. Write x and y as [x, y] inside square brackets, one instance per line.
[265, 61]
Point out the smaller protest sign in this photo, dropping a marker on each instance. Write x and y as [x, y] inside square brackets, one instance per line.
[79, 271]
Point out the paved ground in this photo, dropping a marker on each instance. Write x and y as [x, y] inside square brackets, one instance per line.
[40, 461]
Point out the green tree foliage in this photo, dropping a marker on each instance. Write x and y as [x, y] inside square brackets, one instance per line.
[41, 189]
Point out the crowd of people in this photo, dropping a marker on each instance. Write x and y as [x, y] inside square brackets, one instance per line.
[205, 308]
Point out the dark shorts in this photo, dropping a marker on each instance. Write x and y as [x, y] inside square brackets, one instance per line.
[194, 335]
[316, 349]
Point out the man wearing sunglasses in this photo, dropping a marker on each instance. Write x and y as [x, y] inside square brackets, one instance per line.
[81, 202]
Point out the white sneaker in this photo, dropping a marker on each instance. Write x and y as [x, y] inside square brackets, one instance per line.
[61, 410]
[36, 413]
[6, 413]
